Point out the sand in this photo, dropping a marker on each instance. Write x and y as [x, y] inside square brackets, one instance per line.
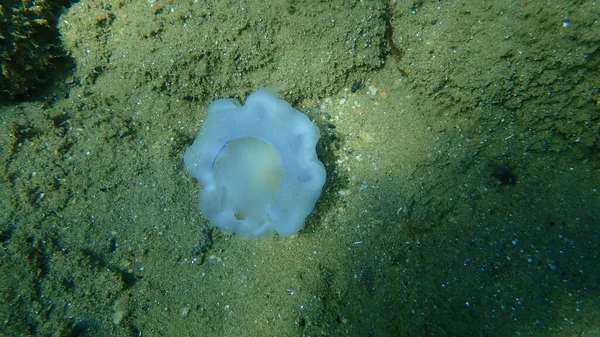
[461, 144]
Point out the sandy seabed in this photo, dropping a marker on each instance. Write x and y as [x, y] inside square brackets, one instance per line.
[461, 142]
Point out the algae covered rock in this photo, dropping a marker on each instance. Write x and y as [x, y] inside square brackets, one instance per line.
[29, 45]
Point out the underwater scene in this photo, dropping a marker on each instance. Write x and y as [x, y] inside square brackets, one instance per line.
[460, 142]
